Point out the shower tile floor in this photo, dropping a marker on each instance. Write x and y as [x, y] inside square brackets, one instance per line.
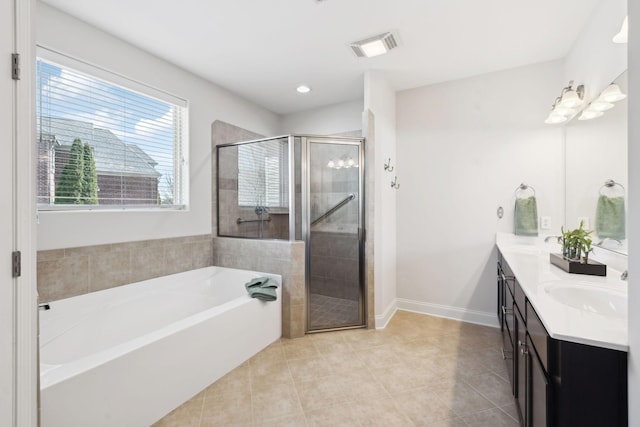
[327, 312]
[418, 371]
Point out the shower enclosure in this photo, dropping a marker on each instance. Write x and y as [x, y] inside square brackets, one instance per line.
[308, 188]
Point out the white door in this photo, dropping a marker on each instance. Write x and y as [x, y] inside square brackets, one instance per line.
[7, 394]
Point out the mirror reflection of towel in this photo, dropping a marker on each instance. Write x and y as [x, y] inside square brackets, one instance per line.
[526, 217]
[610, 220]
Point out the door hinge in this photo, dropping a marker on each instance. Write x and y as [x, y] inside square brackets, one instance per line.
[16, 264]
[15, 66]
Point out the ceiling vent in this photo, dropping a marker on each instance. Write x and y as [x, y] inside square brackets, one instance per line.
[376, 45]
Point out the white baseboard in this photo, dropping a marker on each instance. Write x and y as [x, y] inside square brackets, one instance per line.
[383, 319]
[456, 313]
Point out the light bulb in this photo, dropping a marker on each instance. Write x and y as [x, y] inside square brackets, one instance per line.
[331, 164]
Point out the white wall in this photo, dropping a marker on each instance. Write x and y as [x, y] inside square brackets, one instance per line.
[329, 120]
[207, 103]
[594, 60]
[634, 215]
[380, 99]
[463, 148]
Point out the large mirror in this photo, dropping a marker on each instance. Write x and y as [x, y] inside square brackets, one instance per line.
[596, 174]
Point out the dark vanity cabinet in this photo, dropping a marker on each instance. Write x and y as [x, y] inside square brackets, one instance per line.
[557, 383]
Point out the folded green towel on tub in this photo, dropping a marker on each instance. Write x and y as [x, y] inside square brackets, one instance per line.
[262, 288]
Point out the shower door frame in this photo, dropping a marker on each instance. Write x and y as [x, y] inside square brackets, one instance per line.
[306, 141]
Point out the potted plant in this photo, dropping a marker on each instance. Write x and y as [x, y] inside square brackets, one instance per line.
[575, 243]
[576, 247]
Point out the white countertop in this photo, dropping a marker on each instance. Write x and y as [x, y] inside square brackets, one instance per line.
[597, 316]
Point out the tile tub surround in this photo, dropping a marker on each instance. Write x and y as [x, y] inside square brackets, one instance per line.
[419, 371]
[64, 273]
[283, 257]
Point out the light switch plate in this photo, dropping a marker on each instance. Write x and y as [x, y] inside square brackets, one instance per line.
[585, 222]
[545, 222]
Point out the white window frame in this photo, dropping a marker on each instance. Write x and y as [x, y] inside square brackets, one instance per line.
[181, 152]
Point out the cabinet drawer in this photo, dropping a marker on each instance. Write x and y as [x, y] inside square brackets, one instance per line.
[538, 334]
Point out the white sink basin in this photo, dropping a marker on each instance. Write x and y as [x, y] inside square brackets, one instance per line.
[595, 300]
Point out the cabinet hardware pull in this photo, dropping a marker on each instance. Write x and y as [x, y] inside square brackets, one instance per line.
[524, 350]
[506, 310]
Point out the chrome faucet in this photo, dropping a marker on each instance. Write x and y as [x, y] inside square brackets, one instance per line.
[624, 275]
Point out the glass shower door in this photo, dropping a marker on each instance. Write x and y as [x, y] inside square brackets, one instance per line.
[334, 218]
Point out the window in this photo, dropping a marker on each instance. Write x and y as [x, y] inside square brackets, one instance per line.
[105, 141]
[263, 174]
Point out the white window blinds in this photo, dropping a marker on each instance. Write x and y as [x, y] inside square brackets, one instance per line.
[102, 144]
[263, 177]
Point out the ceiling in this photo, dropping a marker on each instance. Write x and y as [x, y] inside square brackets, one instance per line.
[262, 49]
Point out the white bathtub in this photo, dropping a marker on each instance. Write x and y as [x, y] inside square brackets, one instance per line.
[127, 356]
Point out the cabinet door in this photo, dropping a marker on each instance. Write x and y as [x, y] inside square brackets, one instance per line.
[500, 297]
[520, 362]
[508, 338]
[538, 389]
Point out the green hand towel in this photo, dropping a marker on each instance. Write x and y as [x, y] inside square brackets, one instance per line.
[262, 288]
[610, 219]
[526, 217]
[264, 294]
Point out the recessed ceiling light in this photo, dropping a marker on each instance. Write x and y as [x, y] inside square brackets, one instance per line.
[376, 45]
[303, 89]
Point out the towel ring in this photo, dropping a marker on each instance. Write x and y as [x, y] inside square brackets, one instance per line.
[609, 184]
[524, 187]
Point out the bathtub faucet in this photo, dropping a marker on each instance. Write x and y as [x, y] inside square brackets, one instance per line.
[44, 306]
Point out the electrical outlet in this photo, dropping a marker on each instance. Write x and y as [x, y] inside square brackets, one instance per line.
[545, 222]
[585, 222]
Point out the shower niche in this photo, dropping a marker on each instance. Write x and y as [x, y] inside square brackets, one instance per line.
[306, 188]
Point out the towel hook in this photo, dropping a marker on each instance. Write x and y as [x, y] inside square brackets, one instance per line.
[387, 166]
[524, 187]
[394, 183]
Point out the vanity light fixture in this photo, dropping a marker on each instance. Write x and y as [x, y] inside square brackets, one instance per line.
[623, 35]
[612, 93]
[603, 102]
[342, 163]
[590, 114]
[565, 106]
[374, 46]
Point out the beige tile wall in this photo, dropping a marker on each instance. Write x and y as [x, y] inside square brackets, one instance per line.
[281, 257]
[63, 273]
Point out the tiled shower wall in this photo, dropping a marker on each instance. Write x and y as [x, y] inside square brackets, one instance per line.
[276, 228]
[333, 257]
[63, 273]
[283, 257]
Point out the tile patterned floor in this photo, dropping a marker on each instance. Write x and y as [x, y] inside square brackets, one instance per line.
[327, 312]
[419, 371]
